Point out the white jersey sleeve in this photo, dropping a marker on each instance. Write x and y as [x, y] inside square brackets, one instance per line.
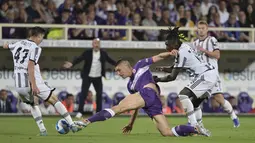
[215, 44]
[35, 54]
[11, 46]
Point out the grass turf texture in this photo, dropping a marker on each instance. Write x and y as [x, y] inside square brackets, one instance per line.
[24, 130]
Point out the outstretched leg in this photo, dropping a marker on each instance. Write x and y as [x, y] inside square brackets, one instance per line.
[61, 109]
[130, 102]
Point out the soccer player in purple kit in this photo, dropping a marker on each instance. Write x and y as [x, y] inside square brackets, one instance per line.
[144, 93]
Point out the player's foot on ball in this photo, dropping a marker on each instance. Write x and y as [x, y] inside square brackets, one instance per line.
[203, 131]
[43, 133]
[236, 123]
[75, 128]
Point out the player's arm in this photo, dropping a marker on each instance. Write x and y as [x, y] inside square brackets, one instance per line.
[8, 46]
[164, 55]
[133, 117]
[180, 62]
[128, 128]
[216, 51]
[214, 54]
[154, 59]
[169, 77]
[167, 69]
[31, 77]
[33, 59]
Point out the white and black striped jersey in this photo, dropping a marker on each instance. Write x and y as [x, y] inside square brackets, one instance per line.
[210, 43]
[188, 59]
[22, 52]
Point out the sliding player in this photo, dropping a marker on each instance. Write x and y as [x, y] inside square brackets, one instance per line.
[144, 93]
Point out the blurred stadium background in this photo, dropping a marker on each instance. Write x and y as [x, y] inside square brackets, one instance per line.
[129, 29]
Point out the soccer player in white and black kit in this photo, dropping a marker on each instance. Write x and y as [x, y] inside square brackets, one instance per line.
[204, 76]
[208, 49]
[28, 79]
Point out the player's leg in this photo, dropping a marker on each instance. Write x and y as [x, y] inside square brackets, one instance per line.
[61, 109]
[35, 111]
[198, 112]
[154, 109]
[180, 130]
[130, 102]
[227, 107]
[46, 95]
[185, 96]
[198, 91]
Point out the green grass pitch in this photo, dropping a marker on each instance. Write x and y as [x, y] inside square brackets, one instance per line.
[24, 130]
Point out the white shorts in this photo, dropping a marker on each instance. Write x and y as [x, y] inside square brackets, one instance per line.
[217, 88]
[44, 94]
[203, 83]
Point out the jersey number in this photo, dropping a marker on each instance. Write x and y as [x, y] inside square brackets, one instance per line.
[17, 55]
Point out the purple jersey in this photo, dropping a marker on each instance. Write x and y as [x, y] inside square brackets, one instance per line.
[141, 75]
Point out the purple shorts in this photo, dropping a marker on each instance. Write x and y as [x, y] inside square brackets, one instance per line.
[153, 105]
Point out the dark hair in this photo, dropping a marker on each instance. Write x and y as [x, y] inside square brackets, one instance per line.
[35, 31]
[174, 36]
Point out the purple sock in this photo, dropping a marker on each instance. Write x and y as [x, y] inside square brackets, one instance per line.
[184, 130]
[102, 115]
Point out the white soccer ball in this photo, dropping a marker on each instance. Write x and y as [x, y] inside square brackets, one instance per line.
[62, 126]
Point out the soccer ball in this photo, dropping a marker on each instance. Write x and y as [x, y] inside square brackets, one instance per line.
[62, 126]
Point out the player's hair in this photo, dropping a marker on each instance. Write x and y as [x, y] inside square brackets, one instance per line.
[202, 22]
[120, 61]
[35, 31]
[174, 36]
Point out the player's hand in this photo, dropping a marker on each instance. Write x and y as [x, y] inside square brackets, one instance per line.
[35, 90]
[67, 65]
[174, 52]
[127, 129]
[5, 46]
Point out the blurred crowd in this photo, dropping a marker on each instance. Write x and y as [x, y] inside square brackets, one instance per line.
[11, 103]
[183, 13]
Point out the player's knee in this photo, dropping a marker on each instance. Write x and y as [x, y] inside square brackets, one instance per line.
[219, 98]
[118, 109]
[214, 103]
[167, 133]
